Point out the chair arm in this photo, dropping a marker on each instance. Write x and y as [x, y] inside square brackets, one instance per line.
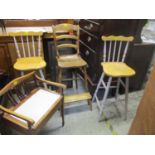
[29, 120]
[51, 83]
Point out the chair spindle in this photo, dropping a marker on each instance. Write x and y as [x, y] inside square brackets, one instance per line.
[28, 46]
[114, 51]
[119, 50]
[109, 51]
[33, 46]
[125, 51]
[17, 47]
[24, 54]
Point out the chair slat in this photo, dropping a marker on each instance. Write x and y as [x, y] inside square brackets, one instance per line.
[67, 46]
[66, 37]
[18, 34]
[65, 27]
[117, 38]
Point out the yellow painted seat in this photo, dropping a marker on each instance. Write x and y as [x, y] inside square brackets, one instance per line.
[117, 69]
[71, 61]
[29, 63]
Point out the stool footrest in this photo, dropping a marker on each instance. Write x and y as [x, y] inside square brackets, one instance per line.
[77, 97]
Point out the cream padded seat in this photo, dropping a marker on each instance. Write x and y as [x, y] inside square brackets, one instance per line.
[38, 105]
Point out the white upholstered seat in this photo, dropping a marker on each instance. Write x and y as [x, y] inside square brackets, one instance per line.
[38, 105]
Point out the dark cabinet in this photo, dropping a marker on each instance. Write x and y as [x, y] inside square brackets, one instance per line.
[5, 59]
[140, 58]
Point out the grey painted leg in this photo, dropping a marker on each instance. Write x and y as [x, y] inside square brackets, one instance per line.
[116, 96]
[126, 96]
[97, 88]
[76, 82]
[96, 91]
[105, 97]
[117, 90]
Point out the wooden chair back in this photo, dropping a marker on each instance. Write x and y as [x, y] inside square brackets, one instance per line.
[27, 44]
[68, 33]
[115, 48]
[16, 90]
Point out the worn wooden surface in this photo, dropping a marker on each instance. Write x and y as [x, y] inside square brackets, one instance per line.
[144, 121]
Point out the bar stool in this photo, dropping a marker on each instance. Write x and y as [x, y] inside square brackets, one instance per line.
[66, 37]
[29, 52]
[114, 52]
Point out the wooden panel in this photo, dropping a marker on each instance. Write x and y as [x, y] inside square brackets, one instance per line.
[25, 22]
[5, 61]
[144, 122]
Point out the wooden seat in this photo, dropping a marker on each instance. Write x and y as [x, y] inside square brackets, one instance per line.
[114, 52]
[117, 69]
[31, 108]
[71, 61]
[66, 38]
[29, 63]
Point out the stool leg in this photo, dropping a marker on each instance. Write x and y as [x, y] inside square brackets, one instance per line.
[117, 90]
[97, 88]
[126, 96]
[116, 96]
[76, 82]
[85, 77]
[42, 76]
[105, 97]
[86, 86]
[90, 104]
[59, 75]
[62, 112]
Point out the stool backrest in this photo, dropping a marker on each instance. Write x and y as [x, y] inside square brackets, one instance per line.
[27, 44]
[68, 33]
[115, 48]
